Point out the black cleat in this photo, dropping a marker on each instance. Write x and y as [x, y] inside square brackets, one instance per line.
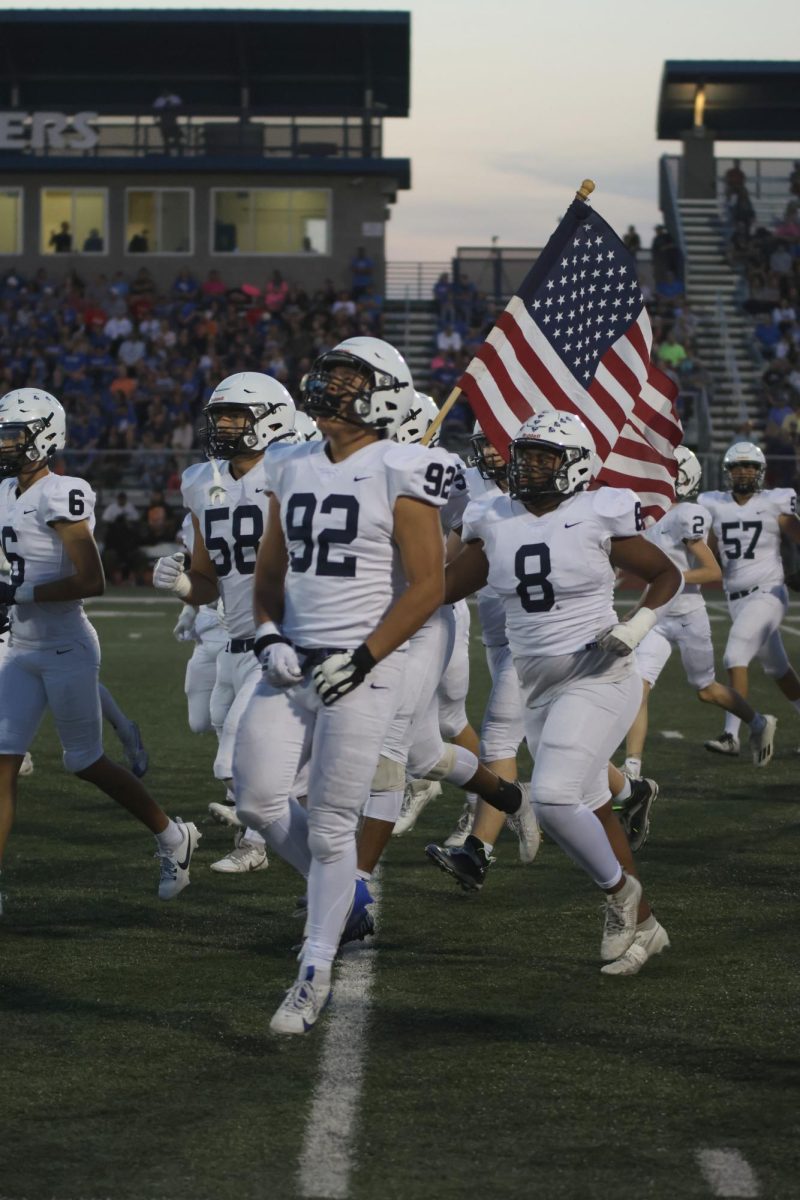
[467, 864]
[634, 815]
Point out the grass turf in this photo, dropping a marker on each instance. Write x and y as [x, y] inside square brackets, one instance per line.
[135, 1058]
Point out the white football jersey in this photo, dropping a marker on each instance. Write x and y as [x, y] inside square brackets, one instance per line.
[749, 537]
[553, 572]
[452, 512]
[38, 555]
[344, 569]
[684, 522]
[232, 530]
[491, 610]
[210, 617]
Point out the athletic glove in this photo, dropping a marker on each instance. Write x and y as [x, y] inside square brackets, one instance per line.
[169, 575]
[622, 639]
[184, 630]
[277, 656]
[342, 672]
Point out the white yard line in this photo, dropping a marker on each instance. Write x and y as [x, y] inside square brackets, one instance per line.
[728, 1173]
[327, 1157]
[97, 614]
[672, 734]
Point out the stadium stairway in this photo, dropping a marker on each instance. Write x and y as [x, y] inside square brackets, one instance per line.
[708, 276]
[411, 327]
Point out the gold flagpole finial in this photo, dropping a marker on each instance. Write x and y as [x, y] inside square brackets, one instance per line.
[585, 190]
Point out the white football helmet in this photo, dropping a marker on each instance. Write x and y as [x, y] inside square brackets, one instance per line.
[689, 475]
[488, 467]
[559, 431]
[270, 409]
[382, 403]
[421, 415]
[306, 428]
[744, 454]
[33, 427]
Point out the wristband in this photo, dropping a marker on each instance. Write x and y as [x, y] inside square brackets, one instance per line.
[267, 634]
[364, 659]
[641, 623]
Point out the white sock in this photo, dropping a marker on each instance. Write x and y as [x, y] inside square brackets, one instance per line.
[288, 837]
[253, 837]
[648, 923]
[581, 836]
[330, 898]
[363, 875]
[171, 837]
[472, 799]
[625, 791]
[732, 724]
[488, 847]
[633, 767]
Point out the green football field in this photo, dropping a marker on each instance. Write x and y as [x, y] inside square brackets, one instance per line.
[475, 1049]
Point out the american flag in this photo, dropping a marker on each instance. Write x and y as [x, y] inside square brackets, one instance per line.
[576, 337]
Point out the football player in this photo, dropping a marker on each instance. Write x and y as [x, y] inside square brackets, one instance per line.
[549, 549]
[681, 534]
[247, 413]
[747, 524]
[53, 661]
[206, 629]
[351, 565]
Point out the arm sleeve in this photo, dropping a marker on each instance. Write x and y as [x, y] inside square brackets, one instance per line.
[695, 522]
[785, 501]
[473, 526]
[620, 512]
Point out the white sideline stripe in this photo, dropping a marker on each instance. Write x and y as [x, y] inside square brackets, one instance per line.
[97, 614]
[727, 1173]
[673, 734]
[327, 1156]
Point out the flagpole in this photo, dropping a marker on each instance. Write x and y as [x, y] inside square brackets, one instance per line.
[583, 193]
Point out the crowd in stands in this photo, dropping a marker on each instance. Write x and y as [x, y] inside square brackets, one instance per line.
[134, 363]
[466, 315]
[767, 256]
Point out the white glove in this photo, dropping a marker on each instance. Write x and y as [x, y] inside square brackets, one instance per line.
[184, 630]
[342, 672]
[169, 575]
[278, 659]
[623, 638]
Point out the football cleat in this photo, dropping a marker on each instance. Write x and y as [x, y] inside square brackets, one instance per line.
[360, 922]
[762, 744]
[467, 864]
[135, 752]
[245, 856]
[726, 743]
[418, 794]
[175, 863]
[634, 813]
[619, 926]
[525, 827]
[463, 827]
[224, 813]
[26, 766]
[303, 1005]
[646, 944]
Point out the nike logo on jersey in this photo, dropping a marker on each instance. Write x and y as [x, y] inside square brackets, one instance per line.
[25, 511]
[63, 652]
[358, 478]
[572, 524]
[376, 687]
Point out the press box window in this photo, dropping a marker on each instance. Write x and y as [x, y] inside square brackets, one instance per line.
[268, 221]
[11, 221]
[74, 222]
[158, 221]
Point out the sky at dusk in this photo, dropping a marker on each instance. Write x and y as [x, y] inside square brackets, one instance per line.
[515, 102]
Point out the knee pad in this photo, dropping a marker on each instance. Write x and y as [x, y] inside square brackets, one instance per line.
[390, 776]
[384, 806]
[331, 833]
[456, 765]
[76, 761]
[774, 660]
[452, 719]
